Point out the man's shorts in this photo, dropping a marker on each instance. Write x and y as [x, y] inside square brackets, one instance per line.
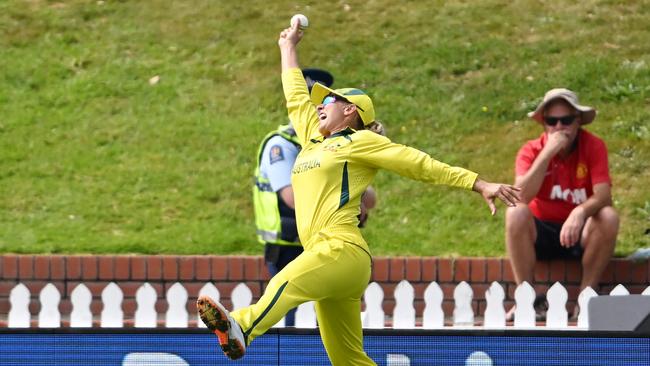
[547, 244]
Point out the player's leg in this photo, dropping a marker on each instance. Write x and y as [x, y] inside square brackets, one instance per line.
[317, 273]
[236, 330]
[339, 315]
[339, 323]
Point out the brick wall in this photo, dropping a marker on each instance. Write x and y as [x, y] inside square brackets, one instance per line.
[130, 272]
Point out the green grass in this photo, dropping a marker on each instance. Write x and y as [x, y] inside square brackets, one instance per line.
[94, 159]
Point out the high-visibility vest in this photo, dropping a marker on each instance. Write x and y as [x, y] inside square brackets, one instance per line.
[267, 211]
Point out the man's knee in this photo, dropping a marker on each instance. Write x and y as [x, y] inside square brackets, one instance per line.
[608, 216]
[606, 220]
[518, 217]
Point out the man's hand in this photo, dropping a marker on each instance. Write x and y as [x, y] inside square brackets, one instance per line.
[557, 141]
[572, 227]
[290, 36]
[505, 192]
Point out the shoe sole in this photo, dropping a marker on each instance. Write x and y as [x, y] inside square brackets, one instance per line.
[215, 318]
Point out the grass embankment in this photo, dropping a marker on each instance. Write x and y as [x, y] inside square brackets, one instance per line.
[95, 158]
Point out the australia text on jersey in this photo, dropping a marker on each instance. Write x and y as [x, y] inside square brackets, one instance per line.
[305, 166]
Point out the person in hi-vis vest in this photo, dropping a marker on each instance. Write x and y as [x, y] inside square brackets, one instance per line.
[275, 217]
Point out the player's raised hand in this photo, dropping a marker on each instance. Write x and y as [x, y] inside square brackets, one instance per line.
[291, 36]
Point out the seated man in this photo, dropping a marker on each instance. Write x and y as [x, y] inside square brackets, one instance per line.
[565, 184]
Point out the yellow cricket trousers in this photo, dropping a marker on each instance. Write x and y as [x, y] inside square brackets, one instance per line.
[332, 273]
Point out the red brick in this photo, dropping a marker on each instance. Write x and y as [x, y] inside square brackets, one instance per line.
[573, 291]
[225, 289]
[508, 274]
[9, 267]
[138, 266]
[475, 307]
[448, 291]
[413, 269]
[419, 307]
[396, 269]
[235, 268]
[494, 269]
[445, 270]
[42, 267]
[89, 268]
[251, 268]
[96, 307]
[219, 268]
[57, 267]
[380, 269]
[557, 271]
[65, 307]
[122, 270]
[256, 289]
[461, 270]
[186, 268]
[639, 272]
[129, 306]
[129, 288]
[34, 287]
[541, 271]
[429, 269]
[622, 271]
[193, 289]
[636, 289]
[479, 290]
[5, 305]
[72, 267]
[202, 268]
[161, 306]
[388, 306]
[389, 290]
[154, 268]
[170, 268]
[25, 267]
[265, 275]
[419, 288]
[510, 290]
[573, 271]
[6, 287]
[478, 270]
[106, 267]
[448, 308]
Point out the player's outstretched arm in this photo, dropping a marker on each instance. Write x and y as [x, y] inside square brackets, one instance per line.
[490, 191]
[287, 42]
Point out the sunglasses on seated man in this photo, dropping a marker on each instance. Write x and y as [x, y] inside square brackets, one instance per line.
[333, 98]
[565, 120]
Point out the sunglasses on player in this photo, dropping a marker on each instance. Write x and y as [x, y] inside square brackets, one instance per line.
[565, 120]
[333, 98]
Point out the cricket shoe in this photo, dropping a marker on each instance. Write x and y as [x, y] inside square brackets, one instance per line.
[218, 320]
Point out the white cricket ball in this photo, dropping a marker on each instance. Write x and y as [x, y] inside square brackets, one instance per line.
[303, 21]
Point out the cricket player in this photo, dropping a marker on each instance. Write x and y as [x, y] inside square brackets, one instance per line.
[341, 154]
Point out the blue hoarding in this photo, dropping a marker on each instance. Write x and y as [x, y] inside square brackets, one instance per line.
[301, 347]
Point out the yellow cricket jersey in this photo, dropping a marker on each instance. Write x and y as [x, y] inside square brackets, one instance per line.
[330, 174]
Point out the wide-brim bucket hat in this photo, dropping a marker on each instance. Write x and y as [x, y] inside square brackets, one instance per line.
[587, 113]
[355, 96]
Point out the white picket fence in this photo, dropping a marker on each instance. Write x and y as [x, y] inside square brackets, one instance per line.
[403, 317]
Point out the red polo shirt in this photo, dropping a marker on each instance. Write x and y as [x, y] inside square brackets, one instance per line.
[568, 182]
